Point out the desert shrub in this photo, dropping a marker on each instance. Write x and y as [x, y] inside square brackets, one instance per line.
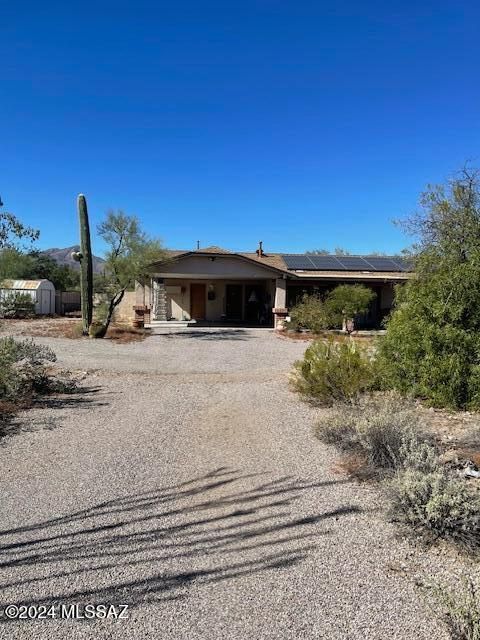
[339, 428]
[15, 304]
[431, 360]
[460, 609]
[432, 345]
[347, 301]
[385, 429]
[437, 504]
[97, 330]
[331, 371]
[24, 369]
[310, 314]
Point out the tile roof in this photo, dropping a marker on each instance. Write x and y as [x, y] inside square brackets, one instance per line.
[270, 259]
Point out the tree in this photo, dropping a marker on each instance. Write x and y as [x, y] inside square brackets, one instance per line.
[12, 232]
[44, 267]
[318, 252]
[129, 254]
[338, 251]
[432, 344]
[347, 301]
[309, 313]
[36, 265]
[14, 264]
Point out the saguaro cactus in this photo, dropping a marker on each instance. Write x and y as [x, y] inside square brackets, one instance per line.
[84, 256]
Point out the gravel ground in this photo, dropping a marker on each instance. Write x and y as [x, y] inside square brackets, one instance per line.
[186, 483]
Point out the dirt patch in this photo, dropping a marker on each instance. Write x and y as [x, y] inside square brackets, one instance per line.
[66, 328]
[301, 336]
[457, 435]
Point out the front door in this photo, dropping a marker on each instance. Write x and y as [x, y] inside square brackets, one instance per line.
[197, 301]
[233, 301]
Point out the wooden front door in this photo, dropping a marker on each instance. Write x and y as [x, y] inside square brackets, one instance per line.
[198, 296]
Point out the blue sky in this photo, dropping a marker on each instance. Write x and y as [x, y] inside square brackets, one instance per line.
[303, 124]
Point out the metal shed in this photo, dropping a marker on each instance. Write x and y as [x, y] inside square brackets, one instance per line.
[42, 293]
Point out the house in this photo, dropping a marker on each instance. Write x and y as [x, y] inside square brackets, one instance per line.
[214, 285]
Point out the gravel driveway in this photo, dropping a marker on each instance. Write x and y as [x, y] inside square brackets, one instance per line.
[186, 483]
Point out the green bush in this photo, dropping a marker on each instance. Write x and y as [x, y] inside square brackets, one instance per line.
[433, 360]
[432, 344]
[310, 314]
[24, 369]
[347, 301]
[97, 330]
[15, 304]
[438, 505]
[334, 371]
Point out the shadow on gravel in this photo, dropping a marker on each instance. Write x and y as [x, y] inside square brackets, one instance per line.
[79, 398]
[83, 397]
[222, 334]
[150, 546]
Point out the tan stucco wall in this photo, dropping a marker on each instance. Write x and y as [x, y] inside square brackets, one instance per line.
[124, 312]
[215, 267]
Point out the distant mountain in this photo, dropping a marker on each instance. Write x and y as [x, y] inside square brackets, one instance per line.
[64, 256]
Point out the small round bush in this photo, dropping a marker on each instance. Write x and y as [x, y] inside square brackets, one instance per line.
[334, 371]
[384, 428]
[309, 314]
[441, 506]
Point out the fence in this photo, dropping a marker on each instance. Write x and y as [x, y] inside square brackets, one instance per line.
[67, 302]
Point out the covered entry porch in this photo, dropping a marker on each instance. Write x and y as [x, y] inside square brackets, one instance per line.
[213, 300]
[213, 286]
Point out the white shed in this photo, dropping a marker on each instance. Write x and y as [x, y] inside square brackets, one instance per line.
[42, 293]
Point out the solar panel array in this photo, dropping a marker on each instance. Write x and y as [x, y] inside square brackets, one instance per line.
[312, 262]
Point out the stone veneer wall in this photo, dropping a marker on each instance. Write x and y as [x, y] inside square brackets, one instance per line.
[159, 299]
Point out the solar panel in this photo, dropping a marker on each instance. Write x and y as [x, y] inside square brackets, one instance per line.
[313, 262]
[354, 263]
[301, 262]
[403, 263]
[326, 263]
[382, 263]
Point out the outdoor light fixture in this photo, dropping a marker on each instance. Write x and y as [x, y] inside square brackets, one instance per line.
[211, 292]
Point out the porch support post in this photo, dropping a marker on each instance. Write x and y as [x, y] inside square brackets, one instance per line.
[159, 299]
[280, 310]
[140, 309]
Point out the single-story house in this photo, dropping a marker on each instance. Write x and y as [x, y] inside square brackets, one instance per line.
[213, 285]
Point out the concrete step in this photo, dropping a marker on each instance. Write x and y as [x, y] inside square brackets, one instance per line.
[169, 324]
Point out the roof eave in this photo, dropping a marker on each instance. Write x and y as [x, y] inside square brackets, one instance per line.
[209, 254]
